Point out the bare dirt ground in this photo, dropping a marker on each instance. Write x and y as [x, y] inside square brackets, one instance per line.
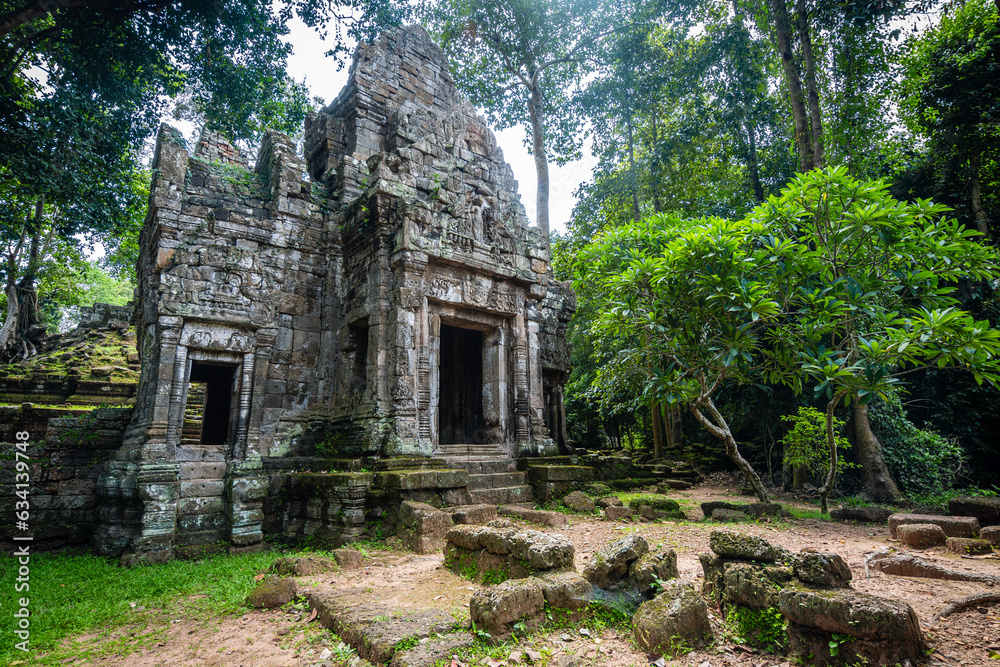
[404, 581]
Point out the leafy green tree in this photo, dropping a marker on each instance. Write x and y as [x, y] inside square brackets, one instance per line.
[872, 297]
[692, 299]
[950, 96]
[833, 282]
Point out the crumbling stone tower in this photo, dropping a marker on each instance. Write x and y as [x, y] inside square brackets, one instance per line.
[384, 296]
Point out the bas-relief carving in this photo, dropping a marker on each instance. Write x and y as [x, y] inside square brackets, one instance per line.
[220, 282]
[478, 291]
[213, 337]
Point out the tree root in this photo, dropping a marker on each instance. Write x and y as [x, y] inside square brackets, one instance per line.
[905, 565]
[964, 603]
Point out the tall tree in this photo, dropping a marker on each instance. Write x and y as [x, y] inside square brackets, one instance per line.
[950, 95]
[518, 60]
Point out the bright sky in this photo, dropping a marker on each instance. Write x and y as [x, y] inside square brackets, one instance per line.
[321, 75]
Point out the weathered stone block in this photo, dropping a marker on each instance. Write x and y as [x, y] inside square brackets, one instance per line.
[953, 526]
[969, 546]
[496, 609]
[643, 573]
[422, 527]
[882, 631]
[579, 502]
[611, 564]
[862, 514]
[560, 473]
[986, 510]
[921, 535]
[272, 592]
[737, 545]
[672, 621]
[614, 513]
[473, 514]
[991, 535]
[822, 569]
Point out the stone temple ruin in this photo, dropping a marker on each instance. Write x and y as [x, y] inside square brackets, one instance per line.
[392, 310]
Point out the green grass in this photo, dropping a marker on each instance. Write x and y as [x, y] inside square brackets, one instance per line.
[73, 594]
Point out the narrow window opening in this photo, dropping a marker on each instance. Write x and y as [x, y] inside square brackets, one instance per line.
[359, 341]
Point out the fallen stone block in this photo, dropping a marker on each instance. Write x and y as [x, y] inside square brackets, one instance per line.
[657, 503]
[675, 619]
[723, 515]
[473, 514]
[566, 590]
[826, 570]
[643, 573]
[991, 535]
[609, 501]
[579, 502]
[499, 552]
[906, 565]
[729, 544]
[348, 559]
[432, 650]
[751, 584]
[374, 630]
[920, 535]
[422, 527]
[498, 608]
[986, 510]
[753, 509]
[968, 546]
[953, 526]
[862, 514]
[618, 513]
[302, 566]
[879, 631]
[610, 565]
[541, 517]
[272, 592]
[674, 485]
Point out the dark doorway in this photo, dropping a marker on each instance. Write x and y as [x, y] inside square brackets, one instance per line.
[460, 415]
[216, 422]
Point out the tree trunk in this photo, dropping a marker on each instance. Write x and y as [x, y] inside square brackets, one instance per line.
[720, 429]
[816, 120]
[657, 431]
[631, 171]
[779, 10]
[875, 477]
[758, 189]
[831, 442]
[975, 159]
[541, 163]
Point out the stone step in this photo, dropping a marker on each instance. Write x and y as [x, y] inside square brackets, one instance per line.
[473, 450]
[501, 496]
[484, 466]
[497, 480]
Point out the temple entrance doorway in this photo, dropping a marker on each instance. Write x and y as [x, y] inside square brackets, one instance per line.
[460, 412]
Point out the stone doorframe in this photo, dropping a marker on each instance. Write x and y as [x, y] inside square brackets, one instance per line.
[505, 377]
[250, 351]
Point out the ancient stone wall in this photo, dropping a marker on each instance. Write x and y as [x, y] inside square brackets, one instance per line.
[67, 451]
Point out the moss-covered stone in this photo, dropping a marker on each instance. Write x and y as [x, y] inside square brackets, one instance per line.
[729, 544]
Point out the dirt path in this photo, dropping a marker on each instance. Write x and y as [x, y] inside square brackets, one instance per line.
[403, 581]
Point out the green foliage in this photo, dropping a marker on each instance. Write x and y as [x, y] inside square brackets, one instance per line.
[805, 443]
[762, 628]
[921, 461]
